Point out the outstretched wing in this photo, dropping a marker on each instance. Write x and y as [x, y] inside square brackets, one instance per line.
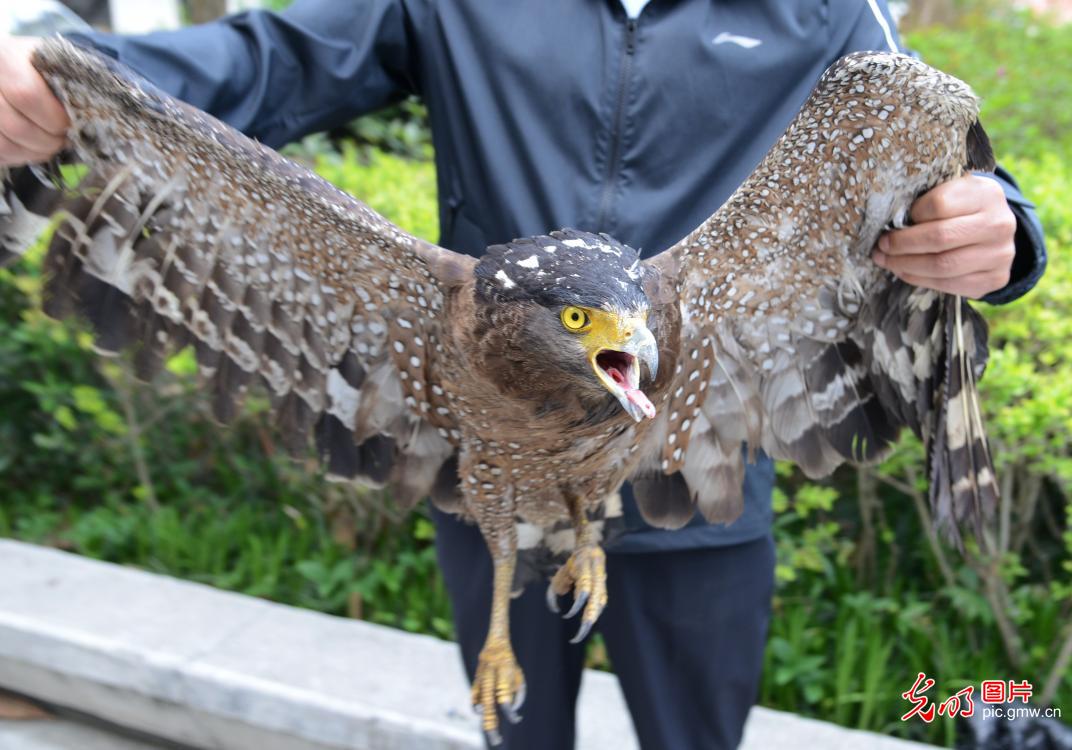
[793, 341]
[182, 231]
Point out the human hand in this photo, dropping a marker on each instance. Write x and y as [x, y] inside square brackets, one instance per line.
[962, 240]
[33, 123]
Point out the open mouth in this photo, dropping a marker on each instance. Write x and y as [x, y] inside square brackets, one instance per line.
[620, 373]
[619, 367]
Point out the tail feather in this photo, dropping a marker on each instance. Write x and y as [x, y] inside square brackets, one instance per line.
[963, 487]
[980, 153]
[664, 500]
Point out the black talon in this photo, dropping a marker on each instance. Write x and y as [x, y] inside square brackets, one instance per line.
[583, 631]
[520, 697]
[552, 599]
[578, 604]
[511, 713]
[494, 738]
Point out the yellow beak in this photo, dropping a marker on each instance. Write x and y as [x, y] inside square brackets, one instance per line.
[617, 347]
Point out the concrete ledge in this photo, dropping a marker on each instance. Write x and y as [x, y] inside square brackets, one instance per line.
[211, 669]
[55, 734]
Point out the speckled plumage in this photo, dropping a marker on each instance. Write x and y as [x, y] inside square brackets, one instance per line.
[793, 340]
[422, 369]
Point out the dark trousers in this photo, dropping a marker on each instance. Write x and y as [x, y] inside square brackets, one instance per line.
[685, 632]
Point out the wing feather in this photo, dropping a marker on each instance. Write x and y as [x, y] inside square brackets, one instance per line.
[820, 356]
[183, 231]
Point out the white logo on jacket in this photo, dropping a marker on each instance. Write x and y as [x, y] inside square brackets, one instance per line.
[742, 41]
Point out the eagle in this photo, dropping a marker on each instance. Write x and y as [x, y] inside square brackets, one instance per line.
[522, 389]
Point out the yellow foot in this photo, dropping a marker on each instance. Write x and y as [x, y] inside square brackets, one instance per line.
[585, 573]
[499, 684]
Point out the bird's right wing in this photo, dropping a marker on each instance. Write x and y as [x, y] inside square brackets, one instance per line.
[792, 339]
[184, 232]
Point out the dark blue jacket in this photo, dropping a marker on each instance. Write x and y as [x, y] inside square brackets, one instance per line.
[548, 114]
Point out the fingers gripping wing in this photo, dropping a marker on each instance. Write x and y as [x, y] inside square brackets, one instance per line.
[183, 231]
[792, 340]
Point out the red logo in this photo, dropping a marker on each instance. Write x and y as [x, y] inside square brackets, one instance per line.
[1022, 691]
[923, 684]
[958, 704]
[993, 691]
[961, 703]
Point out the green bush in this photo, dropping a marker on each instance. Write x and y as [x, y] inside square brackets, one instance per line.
[1019, 65]
[94, 462]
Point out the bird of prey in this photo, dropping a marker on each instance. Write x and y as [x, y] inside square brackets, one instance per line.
[522, 389]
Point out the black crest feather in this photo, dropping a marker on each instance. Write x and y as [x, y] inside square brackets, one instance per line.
[567, 267]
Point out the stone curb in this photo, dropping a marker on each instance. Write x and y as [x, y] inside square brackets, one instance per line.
[213, 669]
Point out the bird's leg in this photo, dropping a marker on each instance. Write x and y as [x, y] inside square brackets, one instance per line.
[499, 682]
[585, 573]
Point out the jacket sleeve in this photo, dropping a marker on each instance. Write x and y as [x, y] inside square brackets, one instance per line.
[874, 29]
[1030, 261]
[279, 76]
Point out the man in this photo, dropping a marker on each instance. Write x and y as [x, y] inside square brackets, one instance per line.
[633, 118]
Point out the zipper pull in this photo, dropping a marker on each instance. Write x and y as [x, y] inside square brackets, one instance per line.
[630, 36]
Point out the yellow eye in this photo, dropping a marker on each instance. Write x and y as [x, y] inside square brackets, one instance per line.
[575, 319]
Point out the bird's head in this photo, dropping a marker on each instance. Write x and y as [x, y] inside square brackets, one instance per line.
[567, 313]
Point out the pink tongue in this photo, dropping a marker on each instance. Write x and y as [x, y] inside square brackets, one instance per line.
[636, 396]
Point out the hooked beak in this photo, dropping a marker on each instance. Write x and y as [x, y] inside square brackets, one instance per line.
[618, 369]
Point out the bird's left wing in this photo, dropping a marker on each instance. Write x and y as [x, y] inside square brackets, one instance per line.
[183, 231]
[792, 340]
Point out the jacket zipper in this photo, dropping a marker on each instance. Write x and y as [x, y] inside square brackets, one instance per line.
[613, 162]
